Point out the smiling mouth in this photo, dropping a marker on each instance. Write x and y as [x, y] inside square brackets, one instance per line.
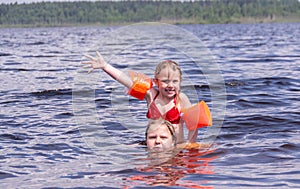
[170, 90]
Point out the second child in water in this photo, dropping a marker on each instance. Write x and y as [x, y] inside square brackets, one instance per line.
[166, 101]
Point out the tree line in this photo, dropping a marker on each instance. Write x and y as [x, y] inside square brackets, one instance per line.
[111, 12]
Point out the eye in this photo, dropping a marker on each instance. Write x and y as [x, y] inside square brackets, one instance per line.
[163, 137]
[165, 81]
[151, 137]
[176, 81]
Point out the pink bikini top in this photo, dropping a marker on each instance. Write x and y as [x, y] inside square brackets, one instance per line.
[173, 115]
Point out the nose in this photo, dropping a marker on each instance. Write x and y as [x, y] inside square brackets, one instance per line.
[157, 140]
[170, 84]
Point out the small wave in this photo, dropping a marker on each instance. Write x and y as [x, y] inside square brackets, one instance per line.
[18, 69]
[205, 87]
[10, 101]
[39, 56]
[12, 63]
[290, 146]
[36, 43]
[31, 70]
[231, 47]
[271, 84]
[266, 119]
[51, 147]
[258, 101]
[45, 77]
[282, 81]
[5, 54]
[103, 101]
[234, 83]
[54, 92]
[257, 60]
[256, 123]
[276, 80]
[232, 136]
[63, 115]
[197, 87]
[4, 175]
[55, 52]
[81, 175]
[74, 131]
[15, 136]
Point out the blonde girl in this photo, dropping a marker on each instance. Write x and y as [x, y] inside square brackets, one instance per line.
[166, 101]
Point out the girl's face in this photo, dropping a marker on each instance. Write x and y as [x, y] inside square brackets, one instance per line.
[168, 82]
[159, 138]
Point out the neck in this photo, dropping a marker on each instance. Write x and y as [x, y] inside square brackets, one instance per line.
[166, 100]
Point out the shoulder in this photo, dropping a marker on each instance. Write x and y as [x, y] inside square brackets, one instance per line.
[184, 100]
[183, 96]
[151, 93]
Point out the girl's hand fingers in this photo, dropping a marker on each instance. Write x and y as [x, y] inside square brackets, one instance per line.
[94, 62]
[91, 70]
[87, 66]
[100, 58]
[90, 57]
[86, 62]
[99, 55]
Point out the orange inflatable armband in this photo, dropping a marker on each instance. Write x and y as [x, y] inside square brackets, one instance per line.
[141, 84]
[196, 145]
[197, 116]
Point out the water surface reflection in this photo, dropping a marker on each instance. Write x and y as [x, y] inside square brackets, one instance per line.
[174, 169]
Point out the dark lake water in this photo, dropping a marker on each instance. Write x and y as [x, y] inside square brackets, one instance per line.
[63, 128]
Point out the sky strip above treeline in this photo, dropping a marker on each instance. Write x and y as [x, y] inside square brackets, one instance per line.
[119, 12]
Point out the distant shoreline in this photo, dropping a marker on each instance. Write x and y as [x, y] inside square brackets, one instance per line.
[108, 13]
[248, 20]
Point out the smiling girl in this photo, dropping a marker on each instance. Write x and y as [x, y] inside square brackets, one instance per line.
[166, 101]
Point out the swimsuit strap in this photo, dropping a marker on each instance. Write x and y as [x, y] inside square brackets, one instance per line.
[155, 96]
[175, 100]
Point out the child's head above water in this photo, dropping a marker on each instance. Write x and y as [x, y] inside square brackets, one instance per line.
[167, 78]
[160, 135]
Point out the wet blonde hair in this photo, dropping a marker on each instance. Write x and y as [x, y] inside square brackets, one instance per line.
[154, 124]
[167, 64]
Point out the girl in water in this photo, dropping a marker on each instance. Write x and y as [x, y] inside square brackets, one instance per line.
[166, 101]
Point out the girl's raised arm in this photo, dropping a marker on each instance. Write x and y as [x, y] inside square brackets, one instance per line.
[98, 62]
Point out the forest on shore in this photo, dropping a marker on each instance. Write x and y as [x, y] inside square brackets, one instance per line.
[123, 12]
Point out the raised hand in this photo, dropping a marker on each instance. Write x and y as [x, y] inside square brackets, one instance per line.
[97, 62]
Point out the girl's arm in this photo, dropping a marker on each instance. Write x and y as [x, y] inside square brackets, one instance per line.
[98, 62]
[192, 134]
